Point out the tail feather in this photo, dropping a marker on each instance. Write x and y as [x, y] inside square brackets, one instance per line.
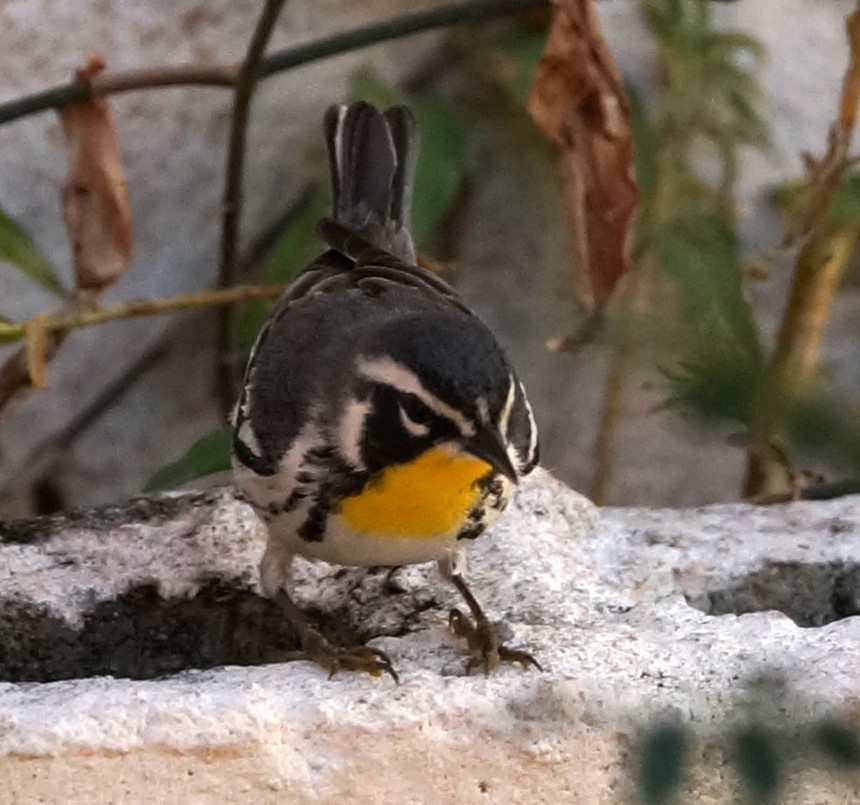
[404, 134]
[372, 157]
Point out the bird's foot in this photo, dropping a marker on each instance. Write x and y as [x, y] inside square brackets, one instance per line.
[484, 645]
[316, 649]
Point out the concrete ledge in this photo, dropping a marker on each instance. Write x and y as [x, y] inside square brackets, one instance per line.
[637, 615]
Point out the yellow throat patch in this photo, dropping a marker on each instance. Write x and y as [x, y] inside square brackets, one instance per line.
[430, 496]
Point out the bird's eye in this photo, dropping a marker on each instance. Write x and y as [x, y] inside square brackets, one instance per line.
[414, 415]
[416, 410]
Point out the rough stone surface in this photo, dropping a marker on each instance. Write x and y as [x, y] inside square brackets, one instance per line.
[514, 257]
[637, 616]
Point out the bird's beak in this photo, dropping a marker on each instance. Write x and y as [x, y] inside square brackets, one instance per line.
[488, 446]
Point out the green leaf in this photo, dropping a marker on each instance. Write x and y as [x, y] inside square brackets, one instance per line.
[18, 249]
[523, 48]
[845, 207]
[368, 85]
[844, 211]
[784, 194]
[712, 81]
[299, 243]
[246, 321]
[699, 252]
[295, 247]
[9, 339]
[720, 360]
[206, 456]
[445, 145]
[717, 384]
[825, 427]
[646, 139]
[442, 164]
[737, 43]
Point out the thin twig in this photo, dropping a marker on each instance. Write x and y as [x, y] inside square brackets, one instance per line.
[224, 75]
[144, 307]
[610, 416]
[246, 82]
[213, 75]
[264, 242]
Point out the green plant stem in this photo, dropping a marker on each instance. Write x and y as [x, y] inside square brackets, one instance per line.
[226, 75]
[607, 430]
[232, 204]
[793, 367]
[818, 269]
[820, 264]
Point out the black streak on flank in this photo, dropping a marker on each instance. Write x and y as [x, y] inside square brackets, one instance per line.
[296, 496]
[471, 531]
[313, 528]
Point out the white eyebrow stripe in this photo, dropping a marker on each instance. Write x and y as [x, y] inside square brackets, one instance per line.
[390, 373]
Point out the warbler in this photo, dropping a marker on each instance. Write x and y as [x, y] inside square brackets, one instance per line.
[379, 422]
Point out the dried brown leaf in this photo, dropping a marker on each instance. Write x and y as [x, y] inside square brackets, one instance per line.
[95, 200]
[578, 101]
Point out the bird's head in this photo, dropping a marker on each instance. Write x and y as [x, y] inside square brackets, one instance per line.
[437, 382]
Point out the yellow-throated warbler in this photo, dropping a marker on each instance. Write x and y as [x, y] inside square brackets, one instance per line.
[380, 423]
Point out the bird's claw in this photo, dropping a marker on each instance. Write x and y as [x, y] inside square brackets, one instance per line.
[486, 649]
[363, 659]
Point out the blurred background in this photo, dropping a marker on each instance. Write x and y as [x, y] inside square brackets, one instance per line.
[757, 82]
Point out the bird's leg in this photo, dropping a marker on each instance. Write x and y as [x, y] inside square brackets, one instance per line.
[483, 639]
[316, 648]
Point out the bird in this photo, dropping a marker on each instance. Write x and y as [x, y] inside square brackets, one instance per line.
[379, 422]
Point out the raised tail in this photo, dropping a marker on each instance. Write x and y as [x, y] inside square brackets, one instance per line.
[372, 156]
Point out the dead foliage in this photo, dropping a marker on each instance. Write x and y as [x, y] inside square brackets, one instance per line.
[578, 101]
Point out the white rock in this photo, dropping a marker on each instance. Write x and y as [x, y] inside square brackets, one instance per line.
[514, 257]
[603, 603]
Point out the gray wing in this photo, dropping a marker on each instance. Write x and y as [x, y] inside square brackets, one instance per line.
[304, 353]
[523, 433]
